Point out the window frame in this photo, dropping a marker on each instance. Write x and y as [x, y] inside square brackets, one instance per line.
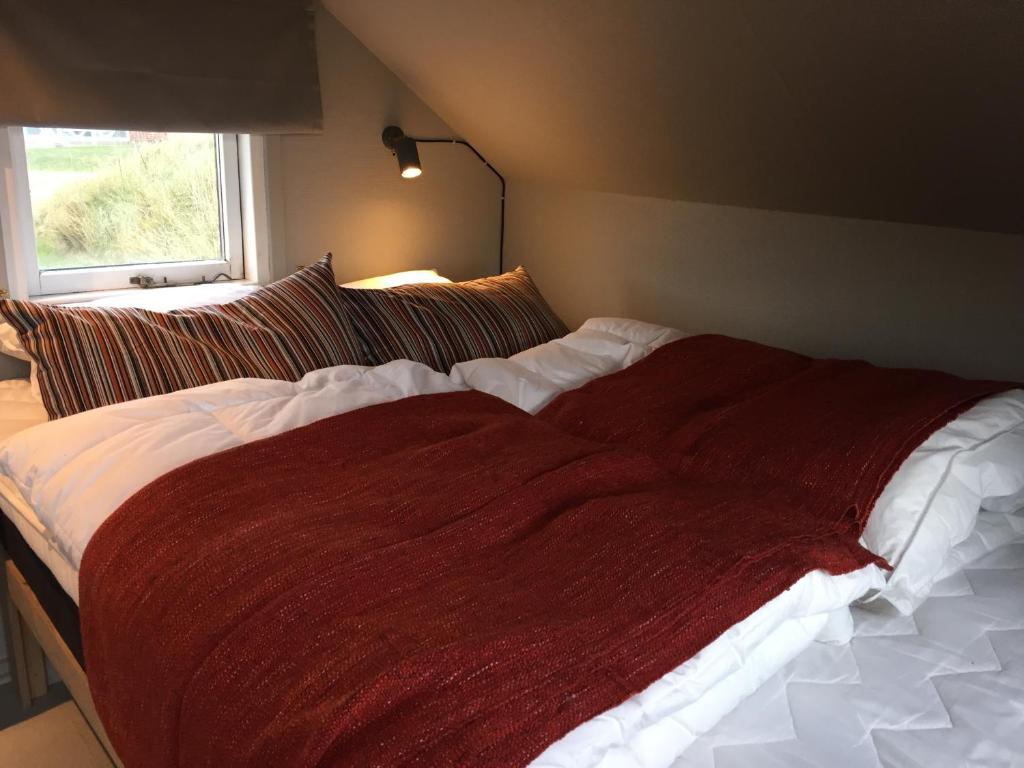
[19, 243]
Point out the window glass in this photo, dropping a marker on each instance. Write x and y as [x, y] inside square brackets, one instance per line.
[107, 198]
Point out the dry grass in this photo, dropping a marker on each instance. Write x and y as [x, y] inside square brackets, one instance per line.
[148, 203]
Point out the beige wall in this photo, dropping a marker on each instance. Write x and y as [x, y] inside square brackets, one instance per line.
[891, 293]
[837, 108]
[341, 191]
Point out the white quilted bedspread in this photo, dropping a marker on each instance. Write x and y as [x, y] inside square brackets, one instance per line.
[943, 688]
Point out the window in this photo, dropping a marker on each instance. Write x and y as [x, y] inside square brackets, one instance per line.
[94, 209]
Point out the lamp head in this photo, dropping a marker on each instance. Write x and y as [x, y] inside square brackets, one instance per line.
[404, 149]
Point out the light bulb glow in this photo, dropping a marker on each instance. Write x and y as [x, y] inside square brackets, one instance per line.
[411, 173]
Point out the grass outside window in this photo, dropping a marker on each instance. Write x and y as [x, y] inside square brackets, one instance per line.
[140, 201]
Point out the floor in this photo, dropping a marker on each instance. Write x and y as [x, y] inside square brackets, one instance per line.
[10, 706]
[58, 738]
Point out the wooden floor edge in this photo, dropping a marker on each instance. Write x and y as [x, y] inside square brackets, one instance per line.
[35, 620]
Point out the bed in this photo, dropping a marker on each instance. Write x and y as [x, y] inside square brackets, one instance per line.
[700, 691]
[651, 728]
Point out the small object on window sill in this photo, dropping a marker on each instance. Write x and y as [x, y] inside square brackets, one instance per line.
[147, 282]
[3, 293]
[227, 279]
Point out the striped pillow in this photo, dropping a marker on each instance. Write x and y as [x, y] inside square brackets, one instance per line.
[88, 357]
[444, 324]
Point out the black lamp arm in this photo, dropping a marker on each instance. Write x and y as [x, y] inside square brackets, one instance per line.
[492, 169]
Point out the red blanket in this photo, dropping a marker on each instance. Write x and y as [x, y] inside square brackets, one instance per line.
[439, 581]
[723, 409]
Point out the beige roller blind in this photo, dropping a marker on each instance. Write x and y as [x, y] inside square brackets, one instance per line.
[246, 66]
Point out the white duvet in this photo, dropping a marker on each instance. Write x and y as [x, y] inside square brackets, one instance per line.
[75, 472]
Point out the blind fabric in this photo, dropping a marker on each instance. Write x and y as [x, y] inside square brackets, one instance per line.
[245, 66]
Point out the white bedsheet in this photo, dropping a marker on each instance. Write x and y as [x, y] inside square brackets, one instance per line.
[71, 474]
[929, 506]
[943, 688]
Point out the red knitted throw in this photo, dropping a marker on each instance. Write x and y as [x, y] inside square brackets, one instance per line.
[721, 409]
[439, 581]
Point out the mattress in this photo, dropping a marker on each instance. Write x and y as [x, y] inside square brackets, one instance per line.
[58, 606]
[19, 410]
[24, 536]
[942, 688]
[36, 536]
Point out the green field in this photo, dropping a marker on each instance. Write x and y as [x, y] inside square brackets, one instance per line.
[129, 203]
[76, 159]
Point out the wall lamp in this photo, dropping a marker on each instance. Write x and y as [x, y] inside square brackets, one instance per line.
[404, 149]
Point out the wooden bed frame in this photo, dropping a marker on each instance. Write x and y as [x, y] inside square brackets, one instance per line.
[32, 638]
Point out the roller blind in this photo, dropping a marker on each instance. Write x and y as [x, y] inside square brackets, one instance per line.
[246, 66]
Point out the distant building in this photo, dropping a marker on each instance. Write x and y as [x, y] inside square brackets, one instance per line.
[146, 136]
[72, 137]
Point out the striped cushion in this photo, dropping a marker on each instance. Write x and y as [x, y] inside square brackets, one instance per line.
[441, 325]
[89, 357]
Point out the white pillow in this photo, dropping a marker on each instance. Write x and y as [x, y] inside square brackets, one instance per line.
[10, 344]
[20, 407]
[176, 297]
[395, 279]
[932, 502]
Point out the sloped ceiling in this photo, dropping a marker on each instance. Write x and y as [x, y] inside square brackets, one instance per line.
[907, 111]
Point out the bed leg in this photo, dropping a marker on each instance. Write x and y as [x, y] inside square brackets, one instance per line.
[35, 664]
[34, 622]
[16, 652]
[27, 660]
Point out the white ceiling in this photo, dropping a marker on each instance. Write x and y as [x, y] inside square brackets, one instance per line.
[903, 111]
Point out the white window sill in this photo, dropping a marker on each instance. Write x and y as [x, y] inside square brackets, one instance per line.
[158, 299]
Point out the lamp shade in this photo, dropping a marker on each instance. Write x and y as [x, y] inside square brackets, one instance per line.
[404, 150]
[408, 158]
